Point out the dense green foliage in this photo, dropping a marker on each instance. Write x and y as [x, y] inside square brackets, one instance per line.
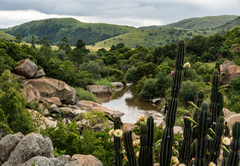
[85, 95]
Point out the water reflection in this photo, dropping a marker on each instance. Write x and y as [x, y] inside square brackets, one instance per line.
[125, 101]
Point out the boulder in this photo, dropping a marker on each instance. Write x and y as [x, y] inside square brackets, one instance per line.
[7, 144]
[227, 113]
[19, 76]
[232, 119]
[31, 94]
[158, 119]
[178, 130]
[64, 158]
[26, 68]
[51, 100]
[117, 84]
[228, 70]
[40, 73]
[43, 161]
[157, 100]
[49, 87]
[89, 106]
[99, 89]
[84, 160]
[28, 147]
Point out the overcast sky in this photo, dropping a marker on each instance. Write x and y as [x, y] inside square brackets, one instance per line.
[122, 12]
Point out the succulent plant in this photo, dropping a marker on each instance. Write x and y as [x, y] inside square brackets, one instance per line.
[128, 146]
[117, 143]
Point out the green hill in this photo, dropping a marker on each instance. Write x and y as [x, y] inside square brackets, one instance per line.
[228, 26]
[56, 28]
[6, 36]
[197, 23]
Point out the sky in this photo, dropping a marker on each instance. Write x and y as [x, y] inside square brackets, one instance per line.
[135, 13]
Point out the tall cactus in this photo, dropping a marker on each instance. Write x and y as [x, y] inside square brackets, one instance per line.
[150, 125]
[215, 146]
[226, 154]
[117, 143]
[233, 158]
[143, 155]
[214, 98]
[127, 136]
[199, 101]
[167, 138]
[203, 121]
[185, 155]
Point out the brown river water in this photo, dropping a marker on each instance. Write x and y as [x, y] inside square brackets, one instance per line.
[125, 101]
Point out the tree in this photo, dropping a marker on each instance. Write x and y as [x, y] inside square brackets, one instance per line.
[33, 42]
[64, 44]
[18, 38]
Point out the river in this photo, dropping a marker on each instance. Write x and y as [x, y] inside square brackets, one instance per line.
[125, 101]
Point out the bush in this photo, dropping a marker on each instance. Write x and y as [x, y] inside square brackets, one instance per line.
[85, 95]
[163, 82]
[149, 90]
[188, 91]
[131, 75]
[104, 81]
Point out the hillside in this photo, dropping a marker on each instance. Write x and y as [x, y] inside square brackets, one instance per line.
[197, 23]
[56, 28]
[228, 26]
[6, 36]
[156, 37]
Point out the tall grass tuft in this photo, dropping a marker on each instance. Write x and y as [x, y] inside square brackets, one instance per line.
[85, 95]
[104, 81]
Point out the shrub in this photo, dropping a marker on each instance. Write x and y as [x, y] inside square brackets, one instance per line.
[85, 95]
[188, 91]
[104, 81]
[163, 82]
[131, 75]
[149, 90]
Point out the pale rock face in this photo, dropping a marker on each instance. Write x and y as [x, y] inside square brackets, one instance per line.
[28, 147]
[43, 161]
[31, 94]
[51, 100]
[228, 70]
[40, 73]
[26, 68]
[49, 87]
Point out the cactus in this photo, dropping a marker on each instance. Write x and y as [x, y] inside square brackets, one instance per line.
[226, 154]
[117, 143]
[184, 155]
[233, 158]
[203, 120]
[150, 125]
[220, 104]
[127, 136]
[215, 146]
[214, 98]
[198, 103]
[143, 155]
[167, 138]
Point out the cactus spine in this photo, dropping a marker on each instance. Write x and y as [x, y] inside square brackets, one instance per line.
[167, 138]
[117, 143]
[127, 136]
[143, 155]
[203, 121]
[215, 146]
[150, 125]
[233, 158]
[185, 155]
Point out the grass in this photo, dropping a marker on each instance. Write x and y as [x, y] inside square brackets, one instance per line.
[104, 81]
[85, 95]
[6, 36]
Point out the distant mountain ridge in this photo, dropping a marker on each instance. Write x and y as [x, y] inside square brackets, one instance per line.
[106, 35]
[56, 28]
[197, 23]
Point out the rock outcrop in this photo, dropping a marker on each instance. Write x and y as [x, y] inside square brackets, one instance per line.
[26, 68]
[228, 70]
[40, 73]
[117, 84]
[31, 94]
[86, 160]
[49, 87]
[99, 89]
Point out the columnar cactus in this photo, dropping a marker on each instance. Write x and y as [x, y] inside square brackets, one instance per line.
[199, 101]
[167, 138]
[214, 98]
[233, 158]
[117, 143]
[127, 136]
[203, 121]
[143, 155]
[220, 104]
[215, 145]
[150, 125]
[185, 155]
[226, 154]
